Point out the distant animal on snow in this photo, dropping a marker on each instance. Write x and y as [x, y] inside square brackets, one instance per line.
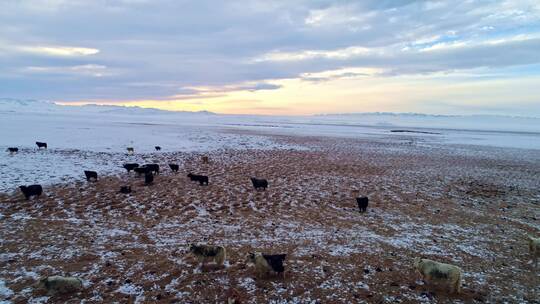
[205, 159]
[158, 148]
[148, 178]
[90, 175]
[41, 144]
[259, 183]
[436, 272]
[32, 190]
[362, 203]
[534, 249]
[125, 189]
[141, 170]
[208, 253]
[202, 179]
[130, 167]
[12, 150]
[130, 150]
[154, 168]
[266, 264]
[60, 285]
[174, 167]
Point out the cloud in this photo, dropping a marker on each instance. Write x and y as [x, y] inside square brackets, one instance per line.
[345, 53]
[58, 50]
[162, 49]
[249, 86]
[87, 69]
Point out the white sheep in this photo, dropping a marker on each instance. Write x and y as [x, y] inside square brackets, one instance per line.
[60, 285]
[534, 249]
[433, 271]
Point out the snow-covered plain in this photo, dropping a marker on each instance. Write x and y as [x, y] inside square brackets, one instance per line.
[112, 129]
[96, 137]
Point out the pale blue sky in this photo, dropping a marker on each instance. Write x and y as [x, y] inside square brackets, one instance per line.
[283, 57]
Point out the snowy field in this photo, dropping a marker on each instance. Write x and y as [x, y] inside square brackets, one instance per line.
[463, 196]
[96, 137]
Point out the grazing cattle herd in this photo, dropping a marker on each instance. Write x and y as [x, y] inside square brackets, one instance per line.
[130, 167]
[202, 179]
[60, 285]
[265, 264]
[259, 183]
[208, 253]
[174, 167]
[32, 190]
[90, 175]
[435, 272]
[362, 203]
[41, 145]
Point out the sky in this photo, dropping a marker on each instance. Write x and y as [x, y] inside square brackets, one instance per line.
[276, 57]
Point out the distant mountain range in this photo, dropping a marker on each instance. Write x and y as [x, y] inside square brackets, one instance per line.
[409, 114]
[31, 105]
[375, 119]
[13, 104]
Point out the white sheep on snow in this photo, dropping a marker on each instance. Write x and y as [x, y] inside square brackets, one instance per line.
[60, 285]
[435, 272]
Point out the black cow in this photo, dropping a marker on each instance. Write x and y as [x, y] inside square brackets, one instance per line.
[148, 178]
[32, 190]
[174, 167]
[125, 189]
[141, 170]
[158, 148]
[41, 144]
[259, 183]
[130, 167]
[275, 261]
[12, 150]
[202, 179]
[154, 168]
[90, 175]
[362, 203]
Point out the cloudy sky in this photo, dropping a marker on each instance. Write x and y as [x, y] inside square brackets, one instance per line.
[276, 57]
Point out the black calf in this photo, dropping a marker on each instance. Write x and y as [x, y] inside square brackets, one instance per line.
[158, 148]
[90, 175]
[12, 150]
[41, 145]
[202, 179]
[259, 183]
[148, 178]
[275, 261]
[174, 167]
[32, 190]
[362, 203]
[154, 168]
[130, 167]
[125, 189]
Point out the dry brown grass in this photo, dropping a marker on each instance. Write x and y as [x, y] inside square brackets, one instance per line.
[473, 210]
